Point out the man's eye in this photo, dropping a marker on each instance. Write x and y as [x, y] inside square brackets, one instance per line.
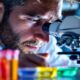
[35, 19]
[25, 17]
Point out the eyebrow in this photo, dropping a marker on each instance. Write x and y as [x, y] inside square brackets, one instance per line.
[35, 15]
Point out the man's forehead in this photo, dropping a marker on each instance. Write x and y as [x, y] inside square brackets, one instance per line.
[36, 7]
[43, 3]
[12, 3]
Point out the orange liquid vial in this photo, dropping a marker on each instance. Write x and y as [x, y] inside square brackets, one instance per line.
[14, 63]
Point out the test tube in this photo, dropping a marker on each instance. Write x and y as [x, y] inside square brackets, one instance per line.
[0, 66]
[27, 73]
[46, 73]
[67, 72]
[9, 57]
[5, 65]
[14, 62]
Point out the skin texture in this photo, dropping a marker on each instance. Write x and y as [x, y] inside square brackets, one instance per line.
[25, 22]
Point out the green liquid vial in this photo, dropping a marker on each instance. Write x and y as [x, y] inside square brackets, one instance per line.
[67, 72]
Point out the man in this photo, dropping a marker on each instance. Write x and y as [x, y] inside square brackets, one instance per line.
[23, 30]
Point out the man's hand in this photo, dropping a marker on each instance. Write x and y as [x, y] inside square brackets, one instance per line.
[31, 60]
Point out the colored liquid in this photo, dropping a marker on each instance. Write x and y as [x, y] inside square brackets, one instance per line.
[5, 69]
[14, 69]
[8, 65]
[67, 72]
[26, 73]
[0, 69]
[47, 72]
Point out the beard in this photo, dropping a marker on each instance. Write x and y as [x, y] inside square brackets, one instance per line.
[31, 48]
[8, 38]
[11, 40]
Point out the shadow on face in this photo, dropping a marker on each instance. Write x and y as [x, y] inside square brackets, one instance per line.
[26, 21]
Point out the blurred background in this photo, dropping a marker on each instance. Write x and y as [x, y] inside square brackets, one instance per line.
[71, 8]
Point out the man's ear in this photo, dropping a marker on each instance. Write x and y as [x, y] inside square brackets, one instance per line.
[1, 11]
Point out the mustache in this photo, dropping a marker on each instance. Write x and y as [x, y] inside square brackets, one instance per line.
[30, 42]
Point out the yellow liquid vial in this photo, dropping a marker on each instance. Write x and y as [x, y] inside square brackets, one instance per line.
[14, 65]
[46, 73]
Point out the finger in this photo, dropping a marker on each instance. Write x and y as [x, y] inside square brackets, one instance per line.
[36, 59]
[26, 61]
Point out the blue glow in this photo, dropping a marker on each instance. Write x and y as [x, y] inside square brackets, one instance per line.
[67, 6]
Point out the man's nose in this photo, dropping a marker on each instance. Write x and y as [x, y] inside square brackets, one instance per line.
[42, 36]
[40, 33]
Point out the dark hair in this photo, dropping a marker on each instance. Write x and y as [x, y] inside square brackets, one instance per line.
[6, 35]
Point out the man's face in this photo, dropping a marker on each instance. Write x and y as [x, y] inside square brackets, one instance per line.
[26, 22]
